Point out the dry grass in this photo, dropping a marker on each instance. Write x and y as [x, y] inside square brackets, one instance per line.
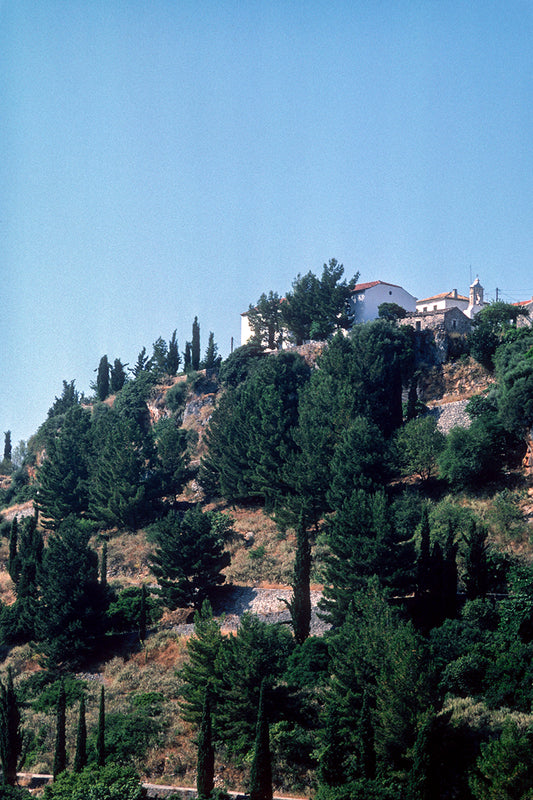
[259, 552]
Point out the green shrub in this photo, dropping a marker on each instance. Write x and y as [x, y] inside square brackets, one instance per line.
[176, 396]
[127, 736]
[111, 782]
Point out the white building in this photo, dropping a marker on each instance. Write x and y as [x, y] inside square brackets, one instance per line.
[367, 297]
[468, 305]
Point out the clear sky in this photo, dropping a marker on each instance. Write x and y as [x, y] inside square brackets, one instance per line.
[162, 160]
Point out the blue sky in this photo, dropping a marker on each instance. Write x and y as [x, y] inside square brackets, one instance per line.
[162, 160]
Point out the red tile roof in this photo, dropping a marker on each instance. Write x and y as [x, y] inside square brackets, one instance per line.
[443, 296]
[360, 287]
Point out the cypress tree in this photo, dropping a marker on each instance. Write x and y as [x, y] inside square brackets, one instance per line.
[187, 357]
[100, 741]
[7, 446]
[13, 566]
[300, 604]
[205, 773]
[211, 359]
[367, 750]
[142, 614]
[423, 565]
[60, 755]
[476, 570]
[103, 566]
[195, 345]
[450, 574]
[80, 759]
[261, 772]
[102, 379]
[10, 733]
[173, 356]
[118, 376]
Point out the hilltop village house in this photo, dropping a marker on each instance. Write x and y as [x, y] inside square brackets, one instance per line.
[445, 313]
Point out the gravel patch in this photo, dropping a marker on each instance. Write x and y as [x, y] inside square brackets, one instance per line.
[232, 602]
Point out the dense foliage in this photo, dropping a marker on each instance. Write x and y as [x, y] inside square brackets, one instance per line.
[421, 684]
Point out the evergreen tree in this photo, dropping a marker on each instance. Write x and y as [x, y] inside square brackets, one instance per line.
[300, 603]
[190, 555]
[118, 376]
[120, 489]
[7, 447]
[450, 574]
[64, 474]
[142, 615]
[265, 321]
[102, 379]
[10, 730]
[100, 739]
[60, 755]
[316, 307]
[200, 670]
[13, 566]
[69, 397]
[367, 750]
[103, 566]
[261, 771]
[205, 769]
[187, 357]
[211, 359]
[72, 601]
[80, 758]
[173, 356]
[159, 358]
[19, 620]
[143, 364]
[195, 345]
[476, 569]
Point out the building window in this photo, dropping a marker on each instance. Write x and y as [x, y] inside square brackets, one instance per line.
[434, 308]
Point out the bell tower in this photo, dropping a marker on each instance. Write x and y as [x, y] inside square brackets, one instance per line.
[476, 299]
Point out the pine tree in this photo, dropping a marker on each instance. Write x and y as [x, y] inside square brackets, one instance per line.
[195, 345]
[102, 379]
[173, 356]
[300, 603]
[200, 668]
[72, 605]
[60, 755]
[80, 758]
[64, 473]
[10, 731]
[100, 741]
[190, 556]
[261, 772]
[205, 771]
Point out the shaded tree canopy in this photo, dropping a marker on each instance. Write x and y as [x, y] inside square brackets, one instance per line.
[317, 307]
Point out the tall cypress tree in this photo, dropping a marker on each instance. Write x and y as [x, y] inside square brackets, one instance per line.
[103, 566]
[100, 741]
[300, 604]
[80, 758]
[195, 345]
[173, 356]
[60, 755]
[102, 379]
[118, 376]
[13, 566]
[142, 614]
[261, 772]
[7, 446]
[476, 570]
[187, 357]
[205, 773]
[10, 732]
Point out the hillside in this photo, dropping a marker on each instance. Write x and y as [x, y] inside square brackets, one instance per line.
[146, 684]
